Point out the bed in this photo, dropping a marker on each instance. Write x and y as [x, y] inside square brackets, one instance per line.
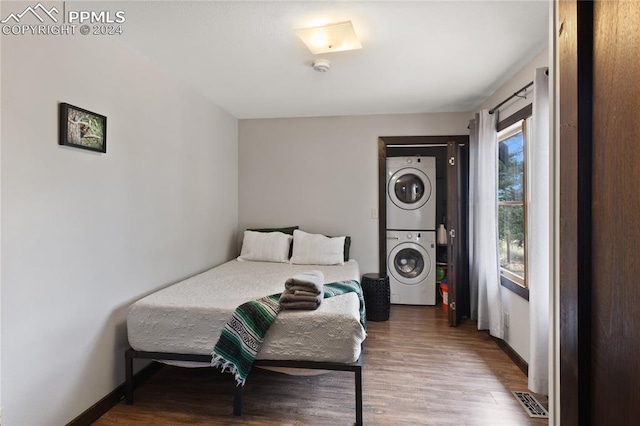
[181, 324]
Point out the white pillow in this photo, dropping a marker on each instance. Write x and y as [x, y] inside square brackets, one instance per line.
[265, 246]
[316, 249]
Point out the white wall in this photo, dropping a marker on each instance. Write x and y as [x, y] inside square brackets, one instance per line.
[85, 234]
[518, 81]
[322, 173]
[517, 335]
[1, 172]
[0, 234]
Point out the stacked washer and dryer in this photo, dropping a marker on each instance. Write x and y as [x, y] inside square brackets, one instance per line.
[411, 229]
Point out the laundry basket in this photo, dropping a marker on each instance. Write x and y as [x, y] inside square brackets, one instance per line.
[377, 296]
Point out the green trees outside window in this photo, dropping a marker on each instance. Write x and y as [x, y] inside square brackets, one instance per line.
[511, 205]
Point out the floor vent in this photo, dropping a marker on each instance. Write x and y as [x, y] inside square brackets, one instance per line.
[531, 405]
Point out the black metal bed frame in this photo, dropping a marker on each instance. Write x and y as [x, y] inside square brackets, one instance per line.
[355, 367]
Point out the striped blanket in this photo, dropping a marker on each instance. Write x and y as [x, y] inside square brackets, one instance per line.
[242, 336]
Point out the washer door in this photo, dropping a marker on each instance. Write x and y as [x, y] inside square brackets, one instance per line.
[409, 263]
[409, 188]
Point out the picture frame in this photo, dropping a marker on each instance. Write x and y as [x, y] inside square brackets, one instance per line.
[81, 128]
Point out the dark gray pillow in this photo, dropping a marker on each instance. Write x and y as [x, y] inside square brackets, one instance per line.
[286, 230]
[347, 246]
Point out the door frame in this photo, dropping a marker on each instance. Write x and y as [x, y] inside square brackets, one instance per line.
[411, 144]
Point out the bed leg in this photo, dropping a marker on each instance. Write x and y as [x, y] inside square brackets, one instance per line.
[237, 400]
[358, 375]
[128, 368]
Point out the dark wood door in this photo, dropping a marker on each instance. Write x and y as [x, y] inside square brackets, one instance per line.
[615, 338]
[457, 251]
[599, 80]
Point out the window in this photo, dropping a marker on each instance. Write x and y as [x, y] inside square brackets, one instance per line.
[512, 212]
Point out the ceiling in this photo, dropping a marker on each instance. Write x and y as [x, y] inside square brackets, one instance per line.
[420, 56]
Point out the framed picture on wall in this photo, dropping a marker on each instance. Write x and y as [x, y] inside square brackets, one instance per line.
[84, 129]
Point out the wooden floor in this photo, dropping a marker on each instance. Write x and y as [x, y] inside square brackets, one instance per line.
[416, 371]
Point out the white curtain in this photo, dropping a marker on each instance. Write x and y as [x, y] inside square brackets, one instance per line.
[539, 243]
[486, 301]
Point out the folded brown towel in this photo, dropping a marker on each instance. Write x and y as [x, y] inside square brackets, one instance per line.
[303, 291]
[287, 297]
[310, 306]
[291, 301]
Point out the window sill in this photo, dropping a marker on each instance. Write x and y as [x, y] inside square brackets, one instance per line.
[514, 287]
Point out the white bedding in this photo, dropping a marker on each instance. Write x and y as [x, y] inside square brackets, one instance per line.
[188, 317]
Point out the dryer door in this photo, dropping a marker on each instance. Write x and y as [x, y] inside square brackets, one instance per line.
[409, 263]
[409, 188]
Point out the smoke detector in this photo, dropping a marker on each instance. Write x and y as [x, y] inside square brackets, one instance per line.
[321, 65]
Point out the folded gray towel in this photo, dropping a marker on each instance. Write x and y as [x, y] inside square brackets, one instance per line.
[312, 281]
[304, 293]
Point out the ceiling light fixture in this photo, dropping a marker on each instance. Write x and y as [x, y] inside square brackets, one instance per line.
[329, 38]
